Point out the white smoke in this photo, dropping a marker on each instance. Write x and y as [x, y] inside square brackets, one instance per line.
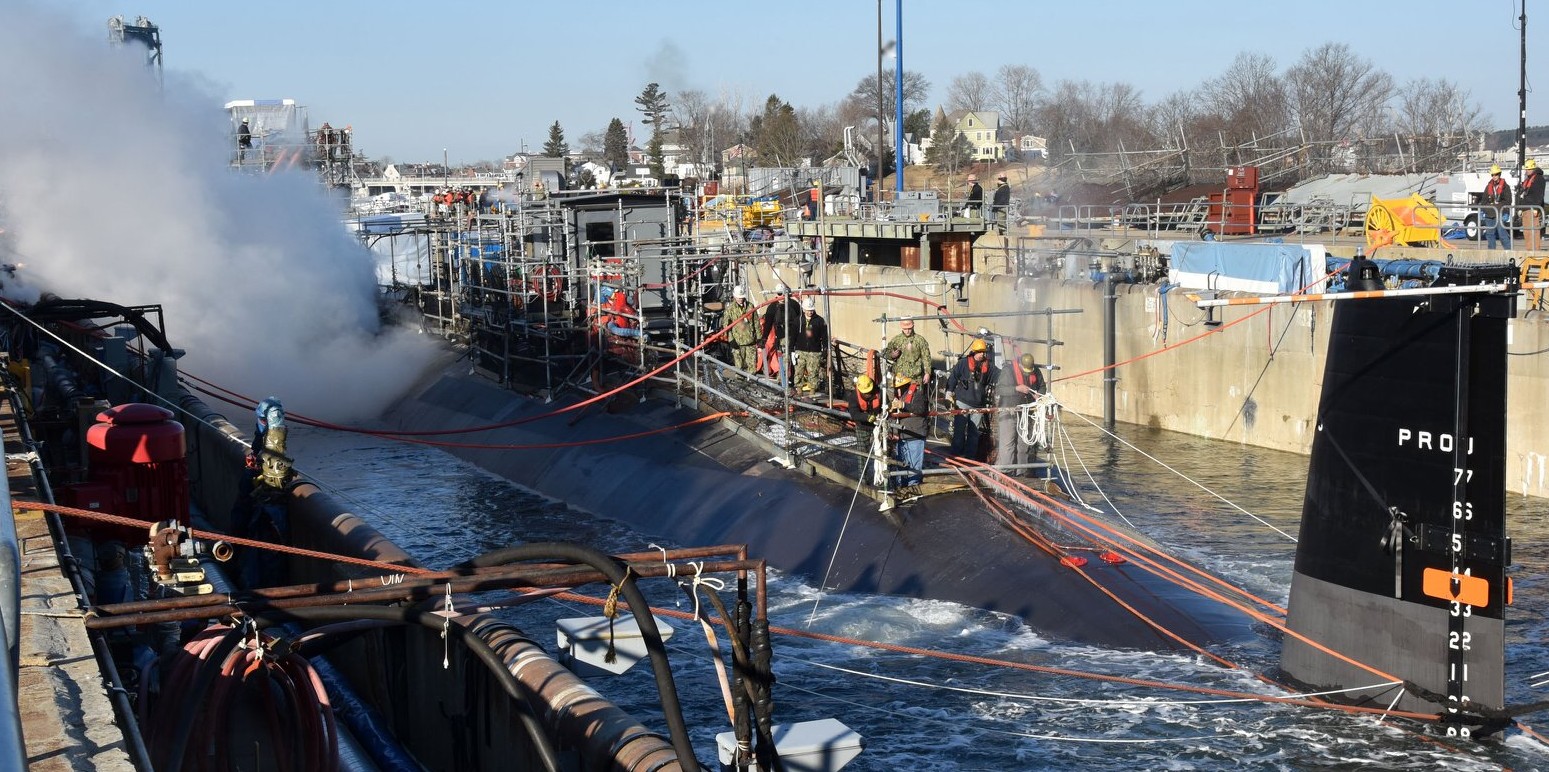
[115, 188]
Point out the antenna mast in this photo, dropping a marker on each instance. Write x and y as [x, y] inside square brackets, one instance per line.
[1522, 93]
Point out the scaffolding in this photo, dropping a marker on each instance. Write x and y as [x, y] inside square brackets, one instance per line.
[529, 287]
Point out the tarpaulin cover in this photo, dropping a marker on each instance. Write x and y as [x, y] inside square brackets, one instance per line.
[1258, 268]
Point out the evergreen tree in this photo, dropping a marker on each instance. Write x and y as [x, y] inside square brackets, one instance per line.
[556, 147]
[653, 152]
[653, 105]
[615, 145]
[949, 149]
[777, 133]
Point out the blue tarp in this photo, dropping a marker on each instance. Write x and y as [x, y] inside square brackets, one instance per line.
[1265, 268]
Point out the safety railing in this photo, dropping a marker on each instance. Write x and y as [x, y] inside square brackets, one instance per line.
[12, 750]
[1519, 227]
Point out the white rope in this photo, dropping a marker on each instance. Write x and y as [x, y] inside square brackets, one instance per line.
[672, 570]
[1196, 483]
[878, 462]
[915, 719]
[1091, 702]
[1033, 420]
[823, 587]
[446, 628]
[1064, 450]
[1396, 698]
[1067, 443]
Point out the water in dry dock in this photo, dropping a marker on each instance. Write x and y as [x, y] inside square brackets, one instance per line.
[938, 714]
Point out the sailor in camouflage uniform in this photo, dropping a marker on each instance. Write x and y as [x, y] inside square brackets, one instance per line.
[910, 355]
[743, 336]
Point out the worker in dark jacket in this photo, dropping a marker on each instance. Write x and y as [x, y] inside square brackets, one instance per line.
[969, 385]
[1020, 383]
[244, 141]
[1000, 204]
[809, 339]
[908, 409]
[865, 409]
[1495, 216]
[1530, 202]
[782, 315]
[973, 203]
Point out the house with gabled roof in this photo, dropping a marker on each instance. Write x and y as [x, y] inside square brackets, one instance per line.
[982, 130]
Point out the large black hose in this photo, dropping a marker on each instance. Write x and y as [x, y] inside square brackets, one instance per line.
[749, 676]
[613, 568]
[192, 700]
[523, 698]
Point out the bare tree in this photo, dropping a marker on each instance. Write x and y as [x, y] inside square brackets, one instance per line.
[971, 91]
[1178, 121]
[691, 113]
[1015, 93]
[1089, 118]
[1335, 93]
[822, 132]
[1250, 98]
[590, 144]
[864, 100]
[708, 125]
[1436, 120]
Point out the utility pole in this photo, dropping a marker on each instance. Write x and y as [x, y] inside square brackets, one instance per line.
[881, 108]
[1522, 93]
[898, 120]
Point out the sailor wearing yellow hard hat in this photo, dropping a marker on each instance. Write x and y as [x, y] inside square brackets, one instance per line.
[1495, 210]
[1530, 202]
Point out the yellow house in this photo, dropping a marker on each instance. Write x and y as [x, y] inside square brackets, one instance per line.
[982, 130]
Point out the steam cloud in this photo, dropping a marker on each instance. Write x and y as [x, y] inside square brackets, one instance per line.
[115, 188]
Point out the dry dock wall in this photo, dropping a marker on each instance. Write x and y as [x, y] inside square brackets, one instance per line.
[1250, 380]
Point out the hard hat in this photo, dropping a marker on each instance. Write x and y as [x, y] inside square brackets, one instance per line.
[1530, 164]
[244, 120]
[899, 379]
[780, 288]
[978, 345]
[1002, 178]
[908, 324]
[1495, 169]
[863, 382]
[808, 304]
[738, 292]
[1027, 362]
[973, 178]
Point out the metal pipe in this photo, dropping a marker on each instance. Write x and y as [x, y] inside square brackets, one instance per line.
[1110, 358]
[396, 589]
[898, 118]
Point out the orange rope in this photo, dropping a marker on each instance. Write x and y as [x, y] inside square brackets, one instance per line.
[1045, 669]
[1153, 624]
[1278, 624]
[396, 568]
[1201, 336]
[104, 517]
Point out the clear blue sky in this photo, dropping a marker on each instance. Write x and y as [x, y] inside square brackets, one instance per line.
[482, 78]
